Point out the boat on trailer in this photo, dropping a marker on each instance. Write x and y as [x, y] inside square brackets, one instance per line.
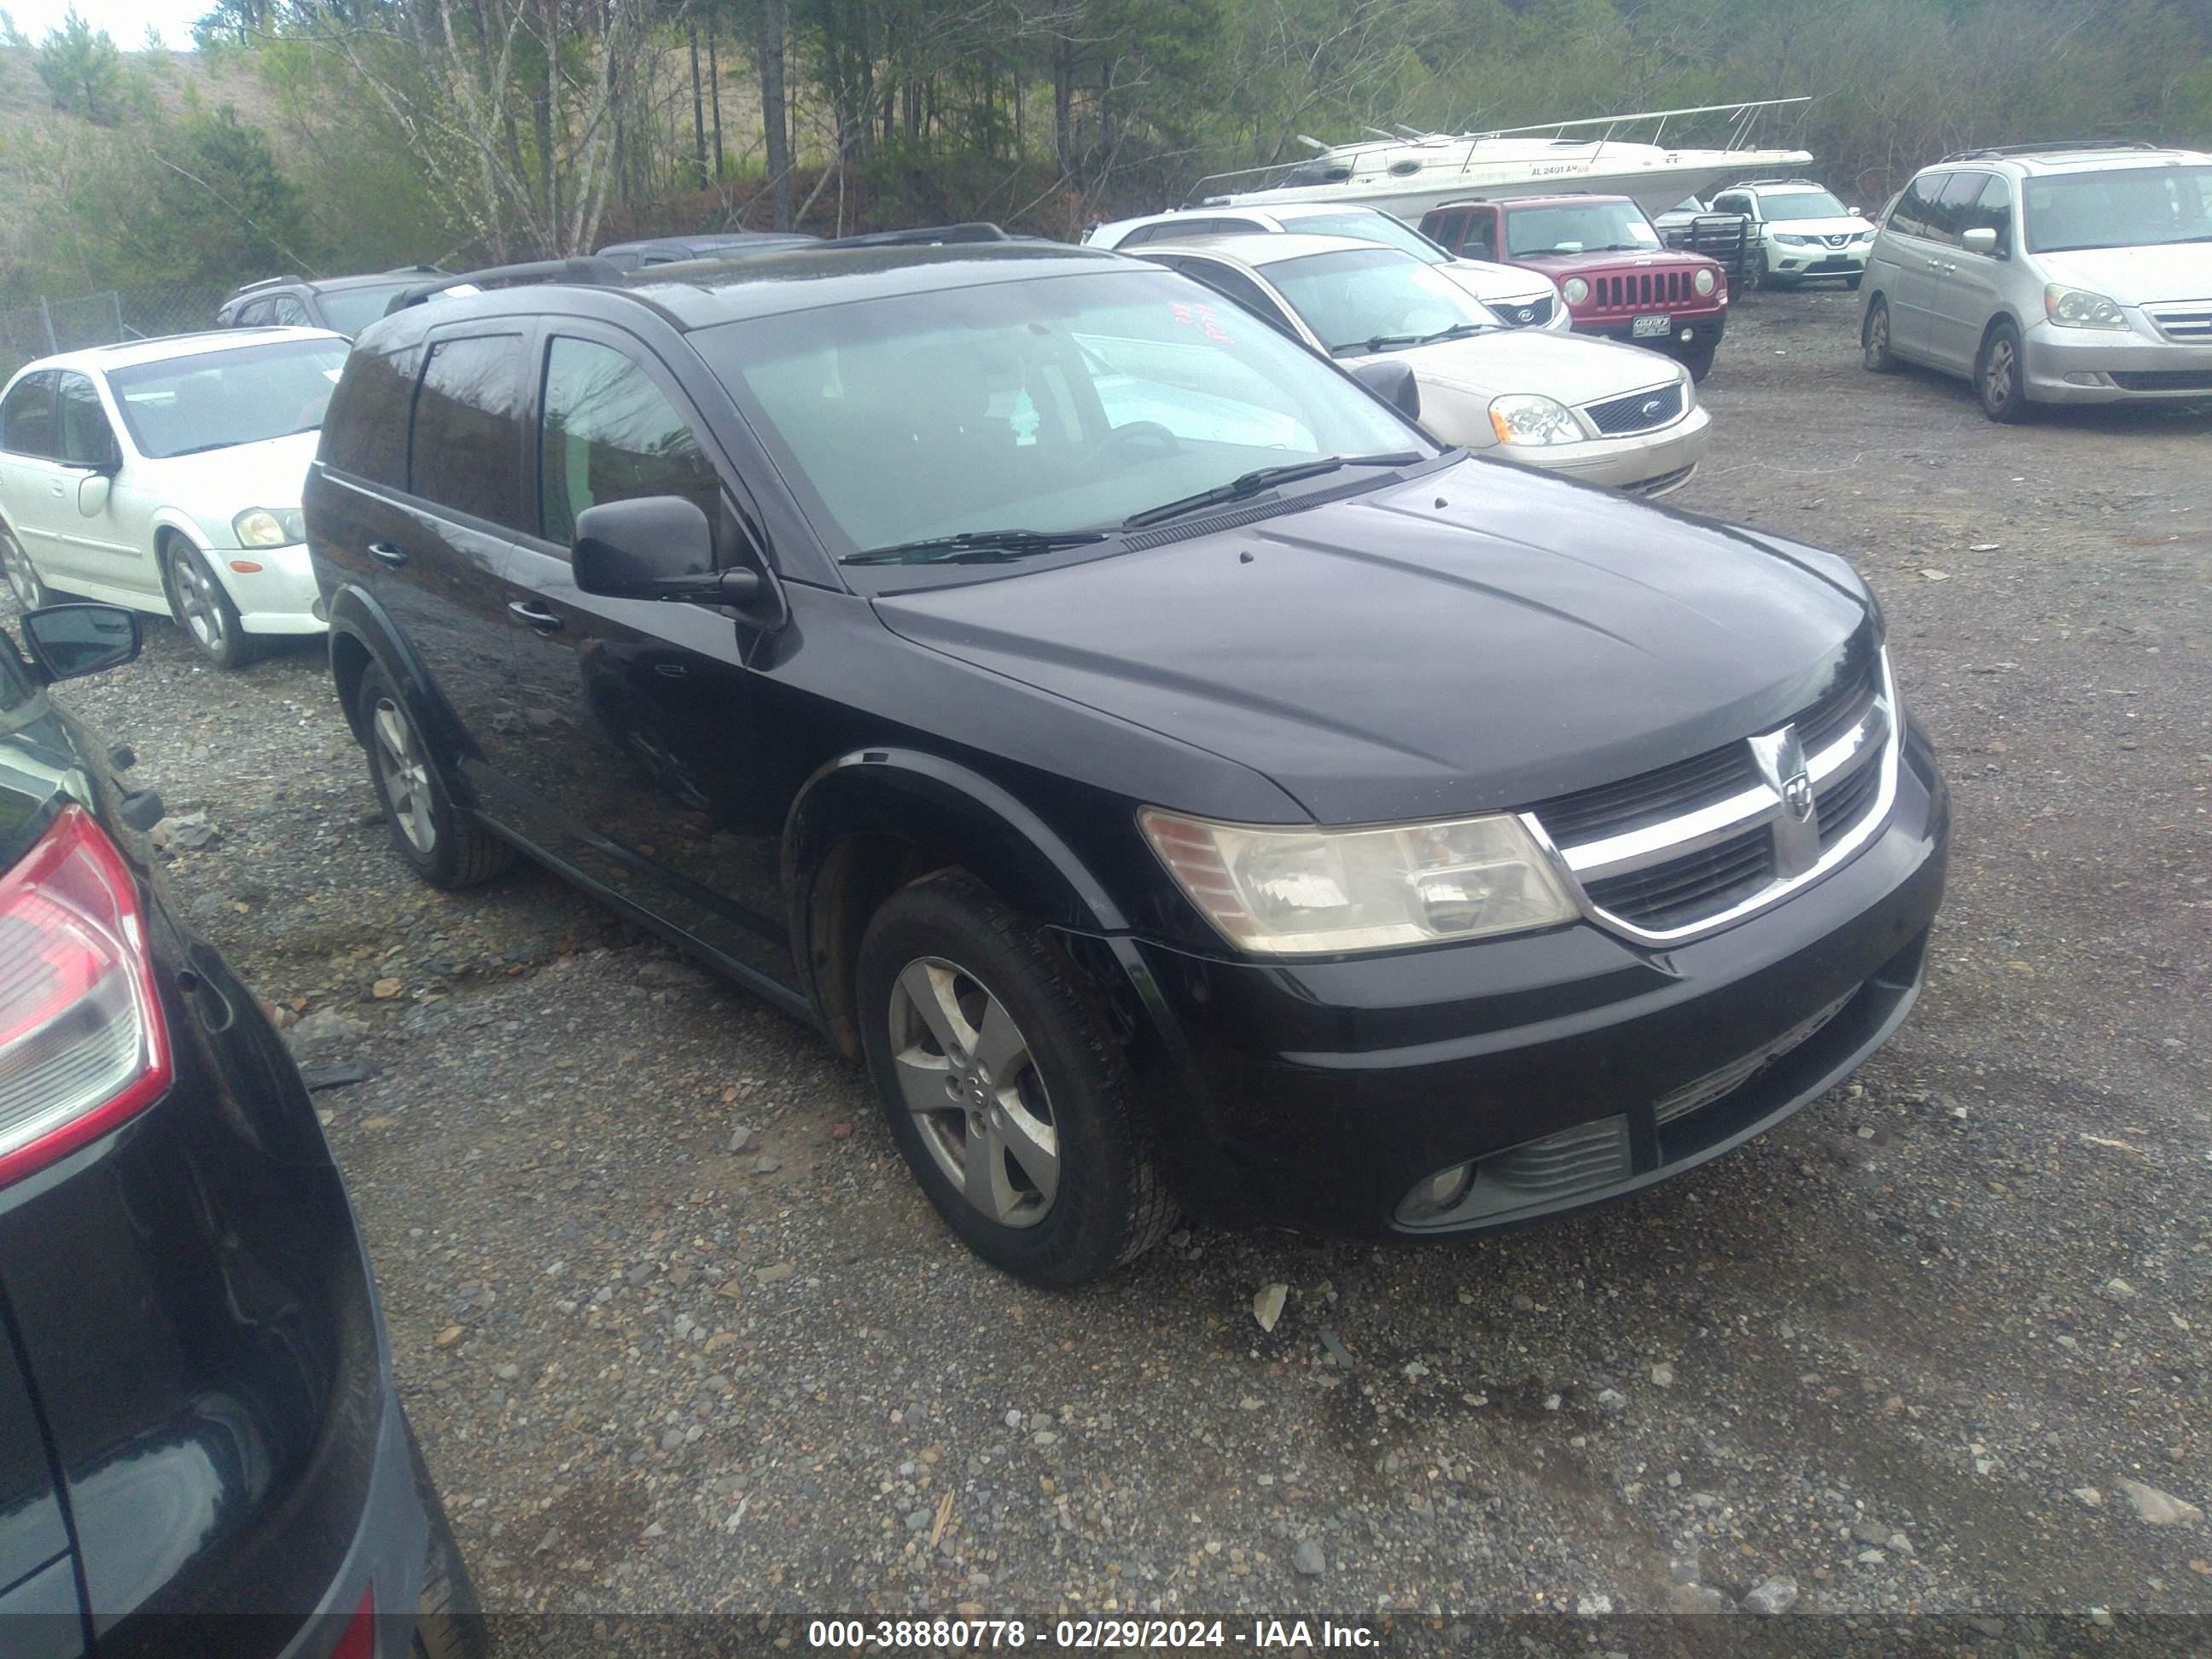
[1407, 173]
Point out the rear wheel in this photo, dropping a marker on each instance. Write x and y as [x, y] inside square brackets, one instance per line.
[444, 845]
[202, 607]
[2000, 376]
[23, 580]
[1874, 339]
[1005, 1085]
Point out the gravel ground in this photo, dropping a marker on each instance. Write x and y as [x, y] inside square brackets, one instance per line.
[679, 1333]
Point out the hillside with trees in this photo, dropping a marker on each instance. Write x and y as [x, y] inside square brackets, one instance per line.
[335, 135]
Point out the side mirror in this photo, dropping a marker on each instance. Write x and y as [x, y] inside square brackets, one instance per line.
[1391, 380]
[654, 547]
[1980, 239]
[67, 641]
[92, 493]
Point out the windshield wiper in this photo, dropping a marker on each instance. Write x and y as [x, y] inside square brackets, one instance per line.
[976, 547]
[1393, 342]
[1265, 477]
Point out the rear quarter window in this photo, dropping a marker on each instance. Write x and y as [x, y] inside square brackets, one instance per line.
[365, 430]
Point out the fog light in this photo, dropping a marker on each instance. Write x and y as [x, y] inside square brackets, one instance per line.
[2081, 377]
[1688, 335]
[1439, 1193]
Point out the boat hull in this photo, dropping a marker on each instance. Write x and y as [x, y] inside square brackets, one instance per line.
[1656, 181]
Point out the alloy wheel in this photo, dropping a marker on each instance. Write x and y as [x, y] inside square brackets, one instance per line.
[202, 612]
[404, 774]
[1997, 373]
[22, 580]
[1877, 339]
[965, 1072]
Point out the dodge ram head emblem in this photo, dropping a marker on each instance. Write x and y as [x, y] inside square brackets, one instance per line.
[1797, 796]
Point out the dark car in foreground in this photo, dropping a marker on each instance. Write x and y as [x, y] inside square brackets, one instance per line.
[345, 305]
[1180, 780]
[201, 1451]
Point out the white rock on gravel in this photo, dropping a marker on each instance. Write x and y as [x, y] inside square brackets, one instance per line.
[1267, 1305]
[2160, 1509]
[1776, 1596]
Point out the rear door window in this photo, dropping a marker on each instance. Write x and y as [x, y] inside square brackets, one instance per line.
[609, 434]
[365, 429]
[1948, 216]
[27, 419]
[466, 450]
[1910, 214]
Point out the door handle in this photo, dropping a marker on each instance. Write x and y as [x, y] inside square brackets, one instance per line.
[385, 553]
[544, 621]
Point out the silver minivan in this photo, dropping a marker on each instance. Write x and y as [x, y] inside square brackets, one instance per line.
[2050, 274]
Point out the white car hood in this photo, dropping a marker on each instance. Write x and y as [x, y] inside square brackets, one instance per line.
[1570, 368]
[217, 484]
[2135, 276]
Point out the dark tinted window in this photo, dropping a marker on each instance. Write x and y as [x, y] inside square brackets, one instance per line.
[610, 435]
[86, 438]
[254, 313]
[1910, 216]
[1990, 209]
[1949, 215]
[349, 310]
[365, 430]
[27, 419]
[465, 452]
[287, 310]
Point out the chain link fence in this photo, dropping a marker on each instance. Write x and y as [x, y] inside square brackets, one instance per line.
[48, 325]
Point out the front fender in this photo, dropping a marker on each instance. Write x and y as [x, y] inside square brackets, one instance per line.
[361, 632]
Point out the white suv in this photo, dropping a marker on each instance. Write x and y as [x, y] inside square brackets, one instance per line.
[165, 474]
[2051, 274]
[1517, 298]
[1804, 231]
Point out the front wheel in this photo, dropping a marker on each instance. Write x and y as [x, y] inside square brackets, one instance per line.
[445, 846]
[1006, 1088]
[1699, 363]
[202, 607]
[1873, 339]
[2001, 377]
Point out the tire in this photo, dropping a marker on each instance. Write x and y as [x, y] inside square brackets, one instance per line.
[1699, 363]
[2000, 375]
[1873, 339]
[24, 582]
[202, 608]
[444, 845]
[448, 1623]
[1055, 1142]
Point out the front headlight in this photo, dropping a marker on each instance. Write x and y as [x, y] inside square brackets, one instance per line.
[1703, 282]
[1279, 890]
[1790, 241]
[1575, 289]
[1522, 417]
[2077, 307]
[270, 526]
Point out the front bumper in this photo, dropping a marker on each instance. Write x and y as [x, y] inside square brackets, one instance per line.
[1692, 334]
[278, 598]
[1822, 261]
[1650, 463]
[2102, 366]
[1322, 1095]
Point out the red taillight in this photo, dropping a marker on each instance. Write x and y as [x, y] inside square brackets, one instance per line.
[359, 1641]
[81, 1043]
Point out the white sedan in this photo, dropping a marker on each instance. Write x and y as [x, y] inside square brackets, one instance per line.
[165, 474]
[1590, 409]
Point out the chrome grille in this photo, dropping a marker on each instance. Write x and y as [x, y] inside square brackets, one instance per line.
[1639, 411]
[1534, 314]
[1687, 848]
[2191, 321]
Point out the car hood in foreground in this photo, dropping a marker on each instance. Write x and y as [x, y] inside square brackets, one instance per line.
[2135, 276]
[1476, 638]
[216, 484]
[1572, 368]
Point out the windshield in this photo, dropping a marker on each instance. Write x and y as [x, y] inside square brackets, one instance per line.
[1803, 204]
[2132, 207]
[1375, 298]
[1579, 228]
[1369, 228]
[214, 399]
[1063, 404]
[353, 309]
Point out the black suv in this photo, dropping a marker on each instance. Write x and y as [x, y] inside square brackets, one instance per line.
[345, 304]
[1181, 780]
[201, 1449]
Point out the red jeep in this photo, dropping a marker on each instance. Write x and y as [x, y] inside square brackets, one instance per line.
[1617, 278]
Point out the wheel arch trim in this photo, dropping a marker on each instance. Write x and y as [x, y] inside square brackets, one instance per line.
[358, 621]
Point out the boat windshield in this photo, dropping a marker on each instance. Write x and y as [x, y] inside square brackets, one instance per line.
[1578, 228]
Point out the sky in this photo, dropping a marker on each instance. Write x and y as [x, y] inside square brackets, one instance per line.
[126, 20]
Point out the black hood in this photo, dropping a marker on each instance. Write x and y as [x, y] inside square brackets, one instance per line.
[1478, 638]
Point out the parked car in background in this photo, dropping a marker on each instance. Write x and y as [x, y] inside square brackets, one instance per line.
[1587, 409]
[1730, 240]
[1804, 232]
[720, 245]
[345, 305]
[1516, 298]
[165, 474]
[196, 1411]
[2075, 273]
[973, 650]
[1618, 280]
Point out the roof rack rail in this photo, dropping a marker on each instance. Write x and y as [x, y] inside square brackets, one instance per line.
[1754, 183]
[427, 270]
[973, 230]
[2050, 147]
[266, 281]
[587, 269]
